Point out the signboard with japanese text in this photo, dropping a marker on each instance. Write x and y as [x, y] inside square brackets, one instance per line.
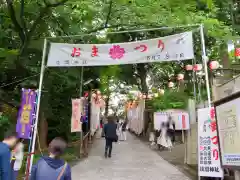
[26, 113]
[209, 164]
[170, 48]
[228, 121]
[179, 117]
[76, 124]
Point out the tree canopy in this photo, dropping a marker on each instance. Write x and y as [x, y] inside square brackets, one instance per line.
[24, 25]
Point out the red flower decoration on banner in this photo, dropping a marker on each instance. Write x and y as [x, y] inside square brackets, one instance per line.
[116, 52]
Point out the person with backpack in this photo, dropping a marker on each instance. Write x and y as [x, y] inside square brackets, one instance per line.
[52, 167]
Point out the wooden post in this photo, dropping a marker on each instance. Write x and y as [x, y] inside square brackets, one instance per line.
[183, 138]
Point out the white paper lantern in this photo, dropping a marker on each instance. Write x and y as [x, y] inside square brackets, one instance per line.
[180, 77]
[161, 91]
[214, 65]
[170, 84]
[189, 67]
[197, 67]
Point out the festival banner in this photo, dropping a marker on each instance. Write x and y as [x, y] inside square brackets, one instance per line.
[169, 48]
[76, 125]
[26, 114]
[208, 147]
[180, 118]
[228, 121]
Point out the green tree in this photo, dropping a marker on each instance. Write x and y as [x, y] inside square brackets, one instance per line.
[24, 25]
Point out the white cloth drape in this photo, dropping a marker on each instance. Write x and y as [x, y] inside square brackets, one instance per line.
[95, 117]
[136, 117]
[19, 153]
[164, 139]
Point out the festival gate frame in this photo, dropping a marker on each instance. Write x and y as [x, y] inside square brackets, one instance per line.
[204, 59]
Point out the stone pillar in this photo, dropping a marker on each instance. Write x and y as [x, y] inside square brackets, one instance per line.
[191, 143]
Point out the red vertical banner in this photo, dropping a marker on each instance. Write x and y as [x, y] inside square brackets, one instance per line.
[76, 124]
[237, 52]
[183, 122]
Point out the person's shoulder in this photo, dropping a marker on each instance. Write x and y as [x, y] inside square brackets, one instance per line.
[41, 160]
[3, 145]
[4, 149]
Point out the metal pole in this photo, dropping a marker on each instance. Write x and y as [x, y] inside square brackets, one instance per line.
[38, 104]
[194, 80]
[205, 59]
[81, 82]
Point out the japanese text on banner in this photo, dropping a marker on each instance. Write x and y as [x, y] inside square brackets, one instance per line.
[208, 147]
[229, 132]
[168, 48]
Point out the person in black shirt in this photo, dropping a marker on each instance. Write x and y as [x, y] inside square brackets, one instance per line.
[171, 129]
[110, 131]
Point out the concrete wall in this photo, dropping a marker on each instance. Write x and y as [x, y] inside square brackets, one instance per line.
[192, 146]
[230, 87]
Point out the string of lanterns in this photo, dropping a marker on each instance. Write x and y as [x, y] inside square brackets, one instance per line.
[213, 65]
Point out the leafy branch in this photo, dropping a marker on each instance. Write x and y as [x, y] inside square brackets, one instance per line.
[24, 34]
[109, 13]
[19, 29]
